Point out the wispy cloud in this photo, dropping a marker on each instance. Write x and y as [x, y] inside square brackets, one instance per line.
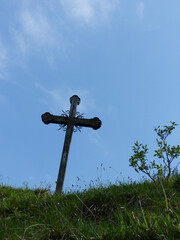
[58, 99]
[46, 28]
[35, 27]
[140, 9]
[35, 30]
[3, 59]
[89, 11]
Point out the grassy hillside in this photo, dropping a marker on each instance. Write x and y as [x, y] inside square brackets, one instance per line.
[127, 211]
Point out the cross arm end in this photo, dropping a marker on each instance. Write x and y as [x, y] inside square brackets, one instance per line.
[46, 117]
[96, 123]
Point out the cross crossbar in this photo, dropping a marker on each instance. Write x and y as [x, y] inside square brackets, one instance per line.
[70, 121]
[94, 123]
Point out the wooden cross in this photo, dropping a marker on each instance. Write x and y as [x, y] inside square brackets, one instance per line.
[70, 121]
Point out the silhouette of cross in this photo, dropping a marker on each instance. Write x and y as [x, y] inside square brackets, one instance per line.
[69, 121]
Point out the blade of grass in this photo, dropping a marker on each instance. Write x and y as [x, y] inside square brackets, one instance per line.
[144, 218]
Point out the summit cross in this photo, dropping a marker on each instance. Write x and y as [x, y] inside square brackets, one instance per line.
[69, 121]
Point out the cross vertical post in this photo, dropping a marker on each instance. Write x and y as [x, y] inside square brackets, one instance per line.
[74, 100]
[69, 121]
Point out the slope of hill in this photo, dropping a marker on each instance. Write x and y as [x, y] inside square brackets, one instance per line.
[124, 211]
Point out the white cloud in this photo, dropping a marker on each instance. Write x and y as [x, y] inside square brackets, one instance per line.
[43, 28]
[78, 9]
[3, 59]
[58, 99]
[35, 29]
[89, 11]
[140, 9]
[36, 26]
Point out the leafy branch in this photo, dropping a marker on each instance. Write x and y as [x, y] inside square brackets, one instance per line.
[167, 153]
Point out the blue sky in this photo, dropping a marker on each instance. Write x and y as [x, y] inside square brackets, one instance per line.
[122, 58]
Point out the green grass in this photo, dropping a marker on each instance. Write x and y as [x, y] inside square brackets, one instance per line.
[124, 211]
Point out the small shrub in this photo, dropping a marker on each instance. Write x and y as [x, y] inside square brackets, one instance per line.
[167, 153]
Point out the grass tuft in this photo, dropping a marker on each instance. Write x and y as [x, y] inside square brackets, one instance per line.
[123, 211]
